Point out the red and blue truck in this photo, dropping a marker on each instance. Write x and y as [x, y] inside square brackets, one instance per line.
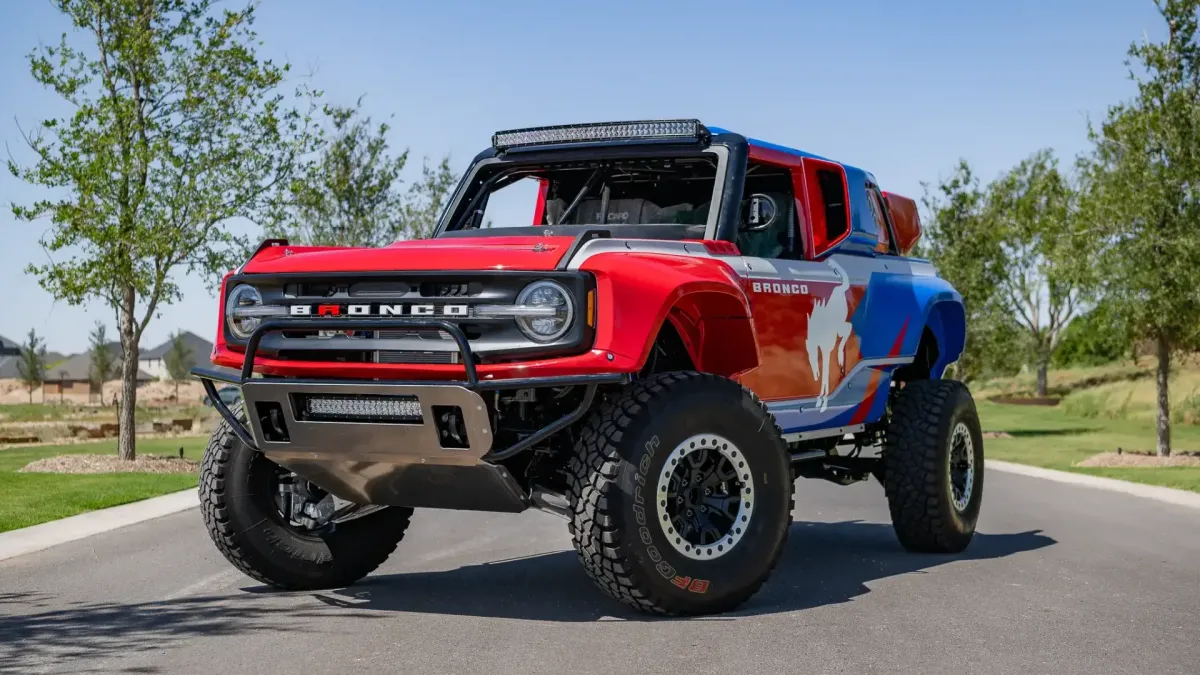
[682, 322]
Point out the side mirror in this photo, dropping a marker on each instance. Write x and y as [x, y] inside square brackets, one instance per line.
[759, 213]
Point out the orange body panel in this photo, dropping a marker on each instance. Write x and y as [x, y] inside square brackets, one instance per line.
[905, 220]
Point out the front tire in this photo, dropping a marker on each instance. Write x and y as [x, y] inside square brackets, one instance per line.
[237, 499]
[681, 495]
[933, 466]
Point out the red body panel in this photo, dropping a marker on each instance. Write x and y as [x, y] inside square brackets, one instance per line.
[484, 253]
[637, 292]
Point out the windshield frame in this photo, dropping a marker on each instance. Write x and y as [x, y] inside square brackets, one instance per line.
[471, 183]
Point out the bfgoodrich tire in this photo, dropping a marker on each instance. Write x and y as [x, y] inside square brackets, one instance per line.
[933, 466]
[681, 495]
[237, 492]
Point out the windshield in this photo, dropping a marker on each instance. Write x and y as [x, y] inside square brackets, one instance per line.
[641, 191]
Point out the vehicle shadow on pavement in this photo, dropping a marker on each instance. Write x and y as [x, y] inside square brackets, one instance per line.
[823, 564]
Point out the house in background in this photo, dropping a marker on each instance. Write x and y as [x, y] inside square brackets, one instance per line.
[10, 356]
[72, 377]
[153, 361]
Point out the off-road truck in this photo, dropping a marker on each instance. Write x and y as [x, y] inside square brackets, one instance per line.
[678, 323]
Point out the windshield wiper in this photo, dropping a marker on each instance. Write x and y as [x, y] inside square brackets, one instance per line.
[587, 187]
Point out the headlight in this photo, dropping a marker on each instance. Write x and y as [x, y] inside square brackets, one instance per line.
[241, 299]
[552, 312]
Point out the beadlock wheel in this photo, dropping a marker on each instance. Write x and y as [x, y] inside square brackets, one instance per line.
[705, 497]
[962, 467]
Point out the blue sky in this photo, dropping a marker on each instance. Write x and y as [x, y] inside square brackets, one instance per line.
[900, 89]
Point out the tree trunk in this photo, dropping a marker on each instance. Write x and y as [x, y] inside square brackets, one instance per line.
[1163, 348]
[126, 425]
[1043, 366]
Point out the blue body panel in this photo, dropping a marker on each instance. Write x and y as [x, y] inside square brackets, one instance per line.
[894, 314]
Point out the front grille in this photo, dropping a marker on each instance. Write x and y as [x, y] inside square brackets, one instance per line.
[412, 334]
[434, 289]
[394, 356]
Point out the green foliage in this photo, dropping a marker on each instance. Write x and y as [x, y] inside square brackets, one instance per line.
[351, 193]
[1093, 339]
[31, 364]
[1143, 194]
[179, 361]
[968, 252]
[177, 129]
[103, 362]
[1031, 207]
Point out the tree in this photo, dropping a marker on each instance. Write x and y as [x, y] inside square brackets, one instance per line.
[31, 364]
[1092, 339]
[1143, 197]
[103, 361]
[177, 128]
[1032, 206]
[179, 361]
[350, 193]
[968, 252]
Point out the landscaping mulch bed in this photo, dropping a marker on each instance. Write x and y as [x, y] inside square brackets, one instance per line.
[84, 463]
[1142, 460]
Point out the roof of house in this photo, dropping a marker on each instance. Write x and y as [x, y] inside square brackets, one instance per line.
[200, 347]
[9, 368]
[8, 347]
[78, 367]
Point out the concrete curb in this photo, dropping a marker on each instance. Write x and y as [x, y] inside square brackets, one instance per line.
[1155, 492]
[37, 537]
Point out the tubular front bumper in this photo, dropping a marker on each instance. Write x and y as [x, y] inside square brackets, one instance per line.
[403, 464]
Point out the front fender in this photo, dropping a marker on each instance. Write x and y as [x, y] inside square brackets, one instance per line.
[702, 297]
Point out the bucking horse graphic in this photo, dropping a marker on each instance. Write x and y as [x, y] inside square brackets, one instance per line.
[829, 329]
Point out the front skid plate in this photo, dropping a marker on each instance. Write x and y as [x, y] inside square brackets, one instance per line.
[393, 464]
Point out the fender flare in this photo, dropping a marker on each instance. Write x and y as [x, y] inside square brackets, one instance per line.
[945, 317]
[702, 298]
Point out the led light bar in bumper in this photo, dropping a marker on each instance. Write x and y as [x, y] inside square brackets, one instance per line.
[601, 131]
[362, 408]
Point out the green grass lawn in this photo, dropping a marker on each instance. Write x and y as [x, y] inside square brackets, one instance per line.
[51, 412]
[1050, 438]
[31, 498]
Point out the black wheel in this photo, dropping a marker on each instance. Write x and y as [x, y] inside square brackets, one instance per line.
[246, 498]
[933, 466]
[681, 495]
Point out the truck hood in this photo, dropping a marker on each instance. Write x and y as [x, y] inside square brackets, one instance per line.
[482, 253]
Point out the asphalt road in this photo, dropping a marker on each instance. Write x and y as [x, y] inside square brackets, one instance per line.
[1060, 579]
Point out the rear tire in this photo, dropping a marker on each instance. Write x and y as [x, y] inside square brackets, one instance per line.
[680, 495]
[933, 466]
[237, 501]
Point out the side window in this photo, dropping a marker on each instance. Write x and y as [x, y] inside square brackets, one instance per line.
[879, 212]
[829, 208]
[770, 186]
[833, 194]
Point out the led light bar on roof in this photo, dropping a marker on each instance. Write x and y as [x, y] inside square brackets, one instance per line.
[601, 131]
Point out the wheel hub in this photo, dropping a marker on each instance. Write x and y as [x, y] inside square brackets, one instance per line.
[705, 498]
[962, 466]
